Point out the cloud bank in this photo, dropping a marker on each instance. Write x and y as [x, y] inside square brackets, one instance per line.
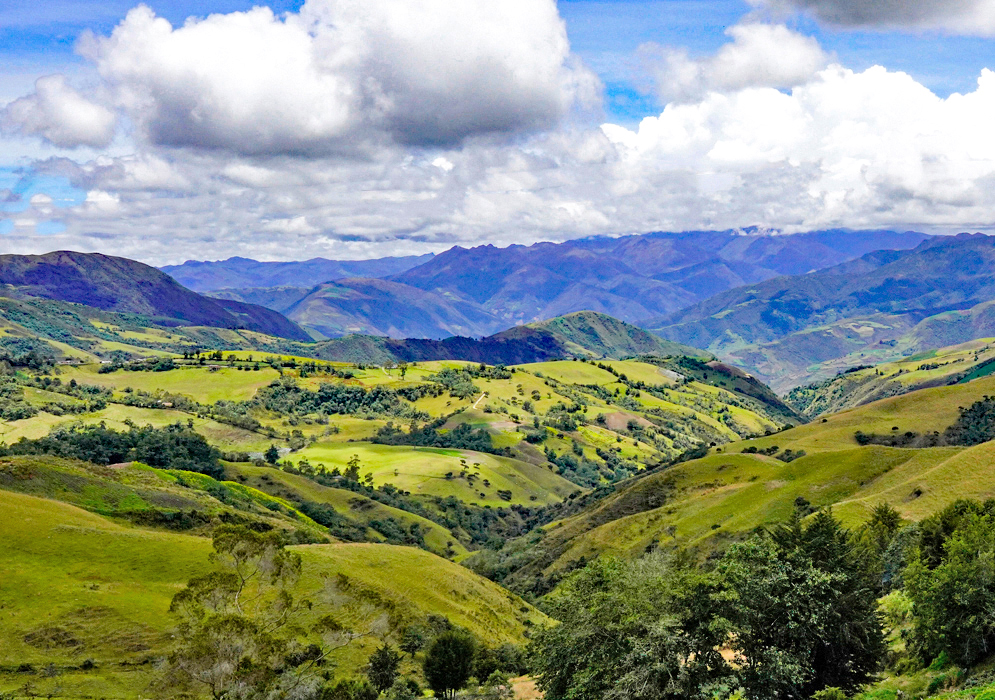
[759, 55]
[391, 127]
[59, 115]
[973, 17]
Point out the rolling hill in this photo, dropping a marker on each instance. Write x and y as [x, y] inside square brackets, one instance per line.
[881, 306]
[708, 502]
[956, 364]
[126, 286]
[108, 586]
[241, 273]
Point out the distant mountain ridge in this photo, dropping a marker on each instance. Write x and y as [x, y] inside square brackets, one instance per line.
[875, 308]
[242, 273]
[373, 307]
[586, 334]
[479, 291]
[126, 286]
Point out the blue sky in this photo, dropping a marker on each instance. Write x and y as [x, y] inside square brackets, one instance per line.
[38, 38]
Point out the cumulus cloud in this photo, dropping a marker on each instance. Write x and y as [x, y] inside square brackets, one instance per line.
[975, 17]
[759, 55]
[856, 149]
[60, 115]
[343, 72]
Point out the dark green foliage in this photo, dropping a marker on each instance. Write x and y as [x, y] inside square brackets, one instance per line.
[449, 662]
[413, 639]
[796, 606]
[630, 631]
[976, 424]
[172, 447]
[382, 667]
[462, 437]
[804, 611]
[271, 455]
[338, 525]
[287, 397]
[951, 582]
[458, 382]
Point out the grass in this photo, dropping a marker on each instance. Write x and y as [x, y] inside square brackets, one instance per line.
[423, 471]
[201, 384]
[77, 586]
[706, 502]
[291, 487]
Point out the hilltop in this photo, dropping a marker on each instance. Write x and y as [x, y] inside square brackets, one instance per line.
[582, 334]
[720, 497]
[126, 286]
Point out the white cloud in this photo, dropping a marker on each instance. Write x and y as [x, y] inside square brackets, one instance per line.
[60, 115]
[972, 17]
[759, 55]
[765, 135]
[342, 73]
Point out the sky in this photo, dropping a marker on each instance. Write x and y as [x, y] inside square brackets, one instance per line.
[349, 129]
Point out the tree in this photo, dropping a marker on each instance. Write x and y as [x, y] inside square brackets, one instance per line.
[382, 668]
[271, 455]
[403, 367]
[352, 469]
[449, 662]
[952, 602]
[413, 639]
[640, 630]
[804, 610]
[240, 632]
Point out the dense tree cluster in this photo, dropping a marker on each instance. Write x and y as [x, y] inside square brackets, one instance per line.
[285, 396]
[795, 608]
[461, 437]
[171, 447]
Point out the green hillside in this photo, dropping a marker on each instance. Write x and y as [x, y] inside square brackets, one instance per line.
[949, 365]
[78, 588]
[706, 503]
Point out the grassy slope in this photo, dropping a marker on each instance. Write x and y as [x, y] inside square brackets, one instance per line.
[356, 507]
[956, 363]
[727, 493]
[83, 587]
[422, 471]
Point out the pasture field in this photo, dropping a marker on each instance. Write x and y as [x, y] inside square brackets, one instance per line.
[433, 471]
[202, 384]
[77, 586]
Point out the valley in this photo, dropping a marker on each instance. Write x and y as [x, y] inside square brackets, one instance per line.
[423, 491]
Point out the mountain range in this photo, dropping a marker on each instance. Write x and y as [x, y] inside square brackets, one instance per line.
[881, 306]
[479, 291]
[585, 334]
[240, 273]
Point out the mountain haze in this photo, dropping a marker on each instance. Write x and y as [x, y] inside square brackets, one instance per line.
[241, 273]
[880, 306]
[479, 291]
